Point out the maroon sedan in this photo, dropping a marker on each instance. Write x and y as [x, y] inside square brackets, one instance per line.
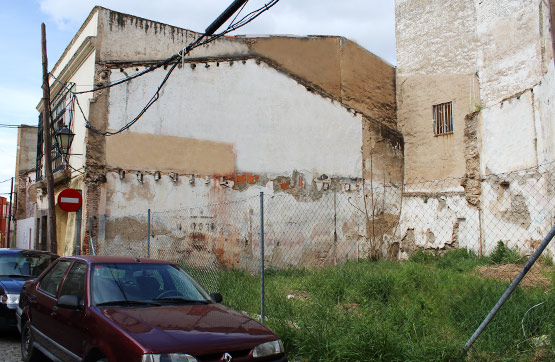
[96, 308]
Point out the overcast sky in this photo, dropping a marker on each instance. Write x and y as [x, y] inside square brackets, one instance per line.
[370, 23]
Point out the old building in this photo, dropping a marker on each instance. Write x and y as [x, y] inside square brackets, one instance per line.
[475, 100]
[303, 117]
[27, 216]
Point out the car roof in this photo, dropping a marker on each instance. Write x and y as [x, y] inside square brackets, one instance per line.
[91, 259]
[24, 251]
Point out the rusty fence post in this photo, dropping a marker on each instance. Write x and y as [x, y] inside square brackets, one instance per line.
[148, 235]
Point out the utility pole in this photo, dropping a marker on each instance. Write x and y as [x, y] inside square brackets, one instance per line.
[9, 216]
[46, 136]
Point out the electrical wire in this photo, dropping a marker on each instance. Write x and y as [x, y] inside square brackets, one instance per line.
[234, 25]
[9, 125]
[9, 179]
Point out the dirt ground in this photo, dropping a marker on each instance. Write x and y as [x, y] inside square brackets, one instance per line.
[540, 276]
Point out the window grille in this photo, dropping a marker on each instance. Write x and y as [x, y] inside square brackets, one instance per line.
[443, 118]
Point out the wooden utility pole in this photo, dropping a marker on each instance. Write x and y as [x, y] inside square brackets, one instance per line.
[46, 136]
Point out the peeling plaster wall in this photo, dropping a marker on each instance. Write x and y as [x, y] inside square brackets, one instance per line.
[502, 50]
[310, 233]
[437, 222]
[273, 123]
[260, 130]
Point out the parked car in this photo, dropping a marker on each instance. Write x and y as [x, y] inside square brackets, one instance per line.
[16, 267]
[100, 308]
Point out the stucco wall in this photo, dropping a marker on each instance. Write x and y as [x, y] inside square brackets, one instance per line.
[427, 156]
[495, 58]
[435, 37]
[25, 233]
[127, 38]
[339, 67]
[273, 123]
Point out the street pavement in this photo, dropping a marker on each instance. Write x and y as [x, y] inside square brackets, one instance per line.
[10, 346]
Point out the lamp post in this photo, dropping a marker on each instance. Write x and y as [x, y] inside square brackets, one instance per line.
[64, 137]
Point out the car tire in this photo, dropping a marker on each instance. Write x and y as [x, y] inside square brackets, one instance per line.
[28, 352]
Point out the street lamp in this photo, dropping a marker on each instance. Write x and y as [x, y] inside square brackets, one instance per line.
[64, 137]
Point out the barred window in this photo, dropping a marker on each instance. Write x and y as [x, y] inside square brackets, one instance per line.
[443, 118]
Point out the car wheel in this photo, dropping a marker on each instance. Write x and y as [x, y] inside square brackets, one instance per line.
[28, 352]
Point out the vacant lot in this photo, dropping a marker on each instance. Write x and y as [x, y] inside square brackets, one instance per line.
[424, 309]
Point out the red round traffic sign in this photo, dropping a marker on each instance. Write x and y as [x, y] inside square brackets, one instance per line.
[70, 200]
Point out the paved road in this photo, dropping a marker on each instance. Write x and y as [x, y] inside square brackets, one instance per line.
[9, 347]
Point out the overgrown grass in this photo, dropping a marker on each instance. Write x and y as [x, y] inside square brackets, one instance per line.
[424, 309]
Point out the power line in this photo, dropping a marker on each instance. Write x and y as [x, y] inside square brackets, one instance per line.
[1, 182]
[234, 25]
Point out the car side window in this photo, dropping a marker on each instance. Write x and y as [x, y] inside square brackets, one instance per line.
[53, 278]
[74, 283]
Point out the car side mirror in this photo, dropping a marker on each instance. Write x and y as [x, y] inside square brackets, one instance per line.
[216, 297]
[68, 302]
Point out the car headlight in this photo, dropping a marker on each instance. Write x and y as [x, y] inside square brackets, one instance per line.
[9, 298]
[168, 357]
[268, 349]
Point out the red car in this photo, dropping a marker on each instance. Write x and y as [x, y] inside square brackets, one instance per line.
[98, 308]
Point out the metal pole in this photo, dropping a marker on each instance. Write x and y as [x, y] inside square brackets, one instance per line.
[262, 257]
[9, 216]
[78, 232]
[90, 238]
[46, 136]
[148, 235]
[510, 289]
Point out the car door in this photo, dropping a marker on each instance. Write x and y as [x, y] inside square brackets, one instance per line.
[43, 301]
[69, 326]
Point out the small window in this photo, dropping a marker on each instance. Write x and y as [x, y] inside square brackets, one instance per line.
[51, 281]
[443, 118]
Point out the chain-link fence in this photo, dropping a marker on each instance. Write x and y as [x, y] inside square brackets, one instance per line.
[219, 244]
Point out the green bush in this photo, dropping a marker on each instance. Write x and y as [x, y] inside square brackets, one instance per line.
[503, 255]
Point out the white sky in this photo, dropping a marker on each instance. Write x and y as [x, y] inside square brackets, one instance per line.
[370, 23]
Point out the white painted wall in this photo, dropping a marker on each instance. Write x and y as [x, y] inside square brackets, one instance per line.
[84, 80]
[88, 29]
[544, 108]
[25, 233]
[274, 123]
[508, 136]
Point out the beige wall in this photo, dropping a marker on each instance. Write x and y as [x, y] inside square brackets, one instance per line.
[428, 156]
[339, 67]
[26, 149]
[168, 153]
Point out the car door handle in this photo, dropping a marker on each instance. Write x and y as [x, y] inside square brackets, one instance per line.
[54, 310]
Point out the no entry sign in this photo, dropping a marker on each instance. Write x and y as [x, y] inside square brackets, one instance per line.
[70, 200]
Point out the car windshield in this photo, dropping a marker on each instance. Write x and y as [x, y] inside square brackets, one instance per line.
[138, 284]
[24, 264]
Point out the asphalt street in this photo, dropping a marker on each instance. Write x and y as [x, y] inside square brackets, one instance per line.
[10, 346]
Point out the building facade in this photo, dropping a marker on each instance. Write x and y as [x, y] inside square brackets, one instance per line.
[475, 101]
[305, 118]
